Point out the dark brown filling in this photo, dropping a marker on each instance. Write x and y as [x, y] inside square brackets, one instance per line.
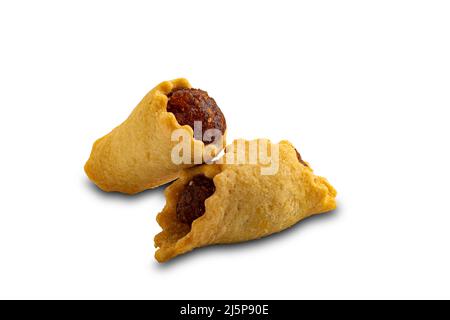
[299, 157]
[189, 105]
[191, 203]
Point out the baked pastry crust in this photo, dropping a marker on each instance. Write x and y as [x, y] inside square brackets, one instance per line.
[246, 204]
[136, 155]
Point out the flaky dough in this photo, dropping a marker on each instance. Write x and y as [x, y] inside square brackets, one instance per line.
[136, 155]
[246, 205]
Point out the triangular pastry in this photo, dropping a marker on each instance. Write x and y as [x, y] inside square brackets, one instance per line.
[228, 202]
[136, 155]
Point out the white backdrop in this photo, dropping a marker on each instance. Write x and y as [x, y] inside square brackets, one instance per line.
[360, 87]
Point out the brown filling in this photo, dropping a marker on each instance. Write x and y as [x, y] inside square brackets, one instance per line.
[189, 105]
[299, 157]
[191, 203]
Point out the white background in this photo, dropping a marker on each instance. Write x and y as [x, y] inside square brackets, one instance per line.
[362, 88]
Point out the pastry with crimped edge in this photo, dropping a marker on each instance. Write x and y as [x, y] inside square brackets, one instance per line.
[136, 155]
[227, 202]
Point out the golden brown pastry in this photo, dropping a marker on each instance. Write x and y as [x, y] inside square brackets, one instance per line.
[137, 155]
[228, 202]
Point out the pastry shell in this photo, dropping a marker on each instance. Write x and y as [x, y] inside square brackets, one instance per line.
[136, 155]
[246, 205]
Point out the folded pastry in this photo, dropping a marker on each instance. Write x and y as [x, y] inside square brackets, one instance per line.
[240, 199]
[137, 155]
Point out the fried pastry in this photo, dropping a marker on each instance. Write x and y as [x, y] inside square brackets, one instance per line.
[234, 200]
[137, 155]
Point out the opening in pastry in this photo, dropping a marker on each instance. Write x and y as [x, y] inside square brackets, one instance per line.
[299, 157]
[190, 105]
[191, 203]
